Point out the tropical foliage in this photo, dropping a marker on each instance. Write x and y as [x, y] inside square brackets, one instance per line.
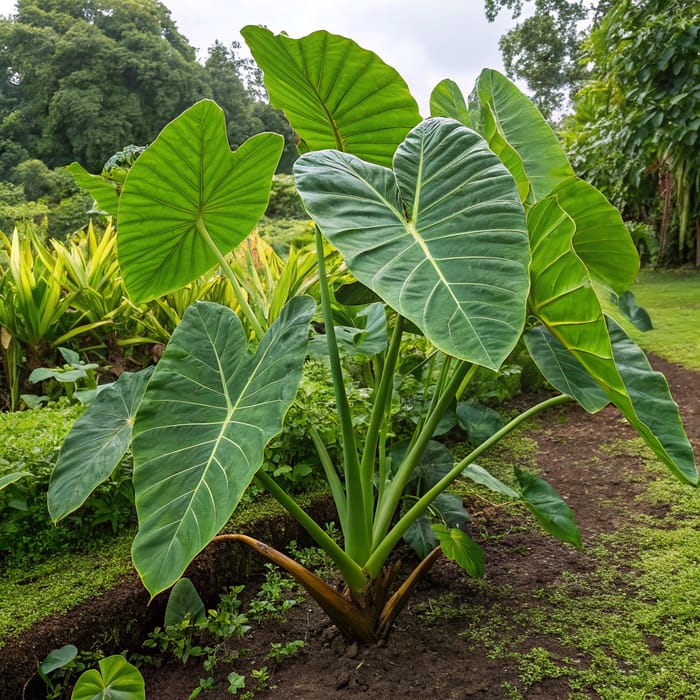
[468, 228]
[636, 126]
[544, 48]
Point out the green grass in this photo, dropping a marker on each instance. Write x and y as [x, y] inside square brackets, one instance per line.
[672, 298]
[629, 630]
[59, 584]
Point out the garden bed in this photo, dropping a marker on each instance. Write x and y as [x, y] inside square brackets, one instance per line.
[532, 628]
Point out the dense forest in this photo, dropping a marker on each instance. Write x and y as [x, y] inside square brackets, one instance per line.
[83, 79]
[619, 81]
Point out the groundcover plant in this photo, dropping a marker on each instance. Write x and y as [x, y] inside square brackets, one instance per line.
[468, 227]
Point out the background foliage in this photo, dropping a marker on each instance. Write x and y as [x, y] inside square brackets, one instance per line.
[83, 79]
[631, 72]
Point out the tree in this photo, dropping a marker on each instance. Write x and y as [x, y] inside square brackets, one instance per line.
[86, 77]
[637, 121]
[544, 49]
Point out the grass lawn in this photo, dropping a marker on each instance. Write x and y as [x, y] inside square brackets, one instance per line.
[672, 298]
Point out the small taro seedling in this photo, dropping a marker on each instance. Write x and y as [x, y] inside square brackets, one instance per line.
[468, 227]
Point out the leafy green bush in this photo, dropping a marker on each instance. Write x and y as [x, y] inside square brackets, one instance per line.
[285, 202]
[29, 443]
[645, 240]
[29, 440]
[282, 233]
[291, 457]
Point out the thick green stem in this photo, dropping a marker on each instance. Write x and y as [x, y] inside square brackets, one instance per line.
[351, 572]
[383, 550]
[389, 503]
[331, 476]
[382, 397]
[246, 309]
[357, 533]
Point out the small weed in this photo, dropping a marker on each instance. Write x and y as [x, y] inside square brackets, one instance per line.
[236, 682]
[272, 600]
[511, 692]
[536, 665]
[261, 676]
[279, 652]
[211, 635]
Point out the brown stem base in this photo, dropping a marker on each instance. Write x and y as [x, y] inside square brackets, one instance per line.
[367, 617]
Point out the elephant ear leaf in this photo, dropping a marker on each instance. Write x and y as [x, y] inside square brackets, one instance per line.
[600, 239]
[116, 679]
[563, 371]
[96, 443]
[210, 410]
[548, 507]
[334, 93]
[460, 548]
[459, 273]
[518, 133]
[102, 190]
[189, 199]
[562, 296]
[447, 100]
[655, 413]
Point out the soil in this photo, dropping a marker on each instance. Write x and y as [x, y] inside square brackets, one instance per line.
[412, 663]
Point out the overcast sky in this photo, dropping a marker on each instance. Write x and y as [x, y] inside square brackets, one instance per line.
[425, 41]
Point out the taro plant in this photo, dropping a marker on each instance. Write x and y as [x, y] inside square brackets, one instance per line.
[468, 227]
[76, 376]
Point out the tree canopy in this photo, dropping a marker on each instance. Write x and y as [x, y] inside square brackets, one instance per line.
[635, 131]
[84, 78]
[545, 49]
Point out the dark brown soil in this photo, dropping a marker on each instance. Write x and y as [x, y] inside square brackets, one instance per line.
[413, 663]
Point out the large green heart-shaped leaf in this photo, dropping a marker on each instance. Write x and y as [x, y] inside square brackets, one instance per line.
[188, 196]
[102, 190]
[563, 298]
[334, 93]
[96, 443]
[117, 679]
[441, 238]
[447, 100]
[561, 292]
[656, 415]
[601, 239]
[210, 409]
[519, 134]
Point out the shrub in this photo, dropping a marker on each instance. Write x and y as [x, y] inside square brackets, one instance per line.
[29, 443]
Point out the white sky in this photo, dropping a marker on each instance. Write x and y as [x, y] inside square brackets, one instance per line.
[424, 41]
